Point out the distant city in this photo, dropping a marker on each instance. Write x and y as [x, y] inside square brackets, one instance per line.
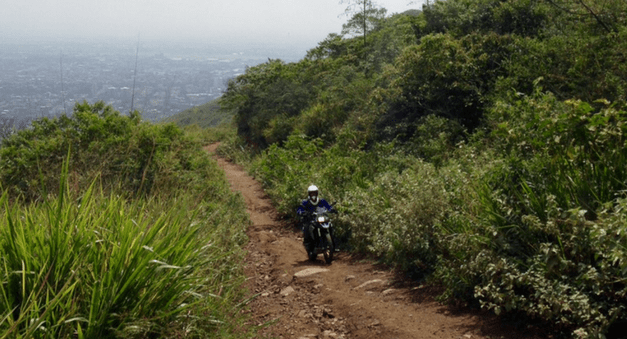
[46, 80]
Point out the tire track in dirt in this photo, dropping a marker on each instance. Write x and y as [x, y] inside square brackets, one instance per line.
[298, 298]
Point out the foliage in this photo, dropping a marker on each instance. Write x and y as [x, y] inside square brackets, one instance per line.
[122, 151]
[331, 47]
[549, 209]
[282, 93]
[571, 146]
[313, 91]
[435, 138]
[445, 77]
[565, 279]
[365, 17]
[585, 68]
[101, 267]
[91, 262]
[361, 23]
[401, 217]
[596, 17]
[9, 126]
[479, 145]
[462, 17]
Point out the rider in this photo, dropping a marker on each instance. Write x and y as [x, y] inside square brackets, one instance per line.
[305, 212]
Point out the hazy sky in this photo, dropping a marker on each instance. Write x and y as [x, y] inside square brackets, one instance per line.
[302, 22]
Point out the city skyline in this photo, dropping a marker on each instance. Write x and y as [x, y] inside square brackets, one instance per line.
[38, 80]
[56, 53]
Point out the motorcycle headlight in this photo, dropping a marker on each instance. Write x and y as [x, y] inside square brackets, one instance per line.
[322, 219]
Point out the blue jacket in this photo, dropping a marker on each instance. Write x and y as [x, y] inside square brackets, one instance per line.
[307, 206]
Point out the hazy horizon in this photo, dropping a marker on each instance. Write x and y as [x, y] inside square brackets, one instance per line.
[299, 24]
[54, 53]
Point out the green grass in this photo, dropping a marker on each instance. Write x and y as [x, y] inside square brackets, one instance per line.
[101, 266]
[84, 255]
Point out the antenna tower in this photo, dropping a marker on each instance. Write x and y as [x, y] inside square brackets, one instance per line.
[135, 75]
[62, 90]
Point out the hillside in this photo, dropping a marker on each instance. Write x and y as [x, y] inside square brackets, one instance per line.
[114, 227]
[204, 116]
[353, 297]
[477, 146]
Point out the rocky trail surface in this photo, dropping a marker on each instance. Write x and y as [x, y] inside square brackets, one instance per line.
[351, 298]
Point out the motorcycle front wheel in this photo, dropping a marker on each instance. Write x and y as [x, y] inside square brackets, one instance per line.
[328, 250]
[311, 252]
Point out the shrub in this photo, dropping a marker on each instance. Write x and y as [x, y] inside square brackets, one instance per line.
[101, 266]
[556, 242]
[442, 76]
[569, 150]
[138, 157]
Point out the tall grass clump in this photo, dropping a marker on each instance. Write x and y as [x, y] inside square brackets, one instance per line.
[233, 147]
[106, 251]
[102, 266]
[570, 149]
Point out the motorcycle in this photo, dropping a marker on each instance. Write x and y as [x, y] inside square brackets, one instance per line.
[321, 230]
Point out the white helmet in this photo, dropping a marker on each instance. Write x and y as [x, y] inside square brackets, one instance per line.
[312, 192]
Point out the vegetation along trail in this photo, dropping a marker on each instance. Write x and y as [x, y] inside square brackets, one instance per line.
[351, 298]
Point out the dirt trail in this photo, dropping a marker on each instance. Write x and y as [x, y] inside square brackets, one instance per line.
[347, 299]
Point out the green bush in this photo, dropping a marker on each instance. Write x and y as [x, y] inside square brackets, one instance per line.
[435, 138]
[572, 66]
[206, 115]
[102, 266]
[113, 227]
[565, 149]
[549, 209]
[486, 153]
[576, 280]
[137, 157]
[264, 92]
[445, 77]
[462, 17]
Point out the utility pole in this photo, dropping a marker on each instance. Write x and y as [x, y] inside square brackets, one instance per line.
[135, 75]
[365, 23]
[62, 90]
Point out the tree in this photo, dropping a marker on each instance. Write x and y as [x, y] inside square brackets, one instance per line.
[264, 92]
[365, 15]
[608, 15]
[9, 126]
